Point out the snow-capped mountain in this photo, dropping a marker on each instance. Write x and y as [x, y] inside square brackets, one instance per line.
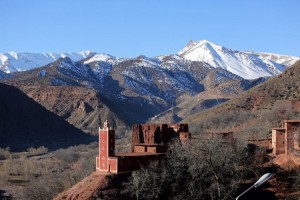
[249, 65]
[13, 62]
[281, 59]
[102, 57]
[246, 64]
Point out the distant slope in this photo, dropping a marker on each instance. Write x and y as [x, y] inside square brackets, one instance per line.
[257, 110]
[205, 100]
[24, 123]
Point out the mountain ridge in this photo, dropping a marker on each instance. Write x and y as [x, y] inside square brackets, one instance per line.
[13, 61]
[249, 65]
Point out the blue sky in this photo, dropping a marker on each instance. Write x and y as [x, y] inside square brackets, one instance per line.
[128, 28]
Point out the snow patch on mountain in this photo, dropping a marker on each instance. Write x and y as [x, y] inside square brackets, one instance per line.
[104, 58]
[42, 73]
[281, 59]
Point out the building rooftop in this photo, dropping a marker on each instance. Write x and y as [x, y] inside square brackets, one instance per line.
[292, 121]
[146, 144]
[262, 139]
[135, 154]
[281, 129]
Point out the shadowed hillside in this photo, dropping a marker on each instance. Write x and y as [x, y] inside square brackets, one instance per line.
[25, 123]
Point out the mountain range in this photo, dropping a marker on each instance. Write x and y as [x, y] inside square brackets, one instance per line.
[87, 88]
[87, 92]
[246, 64]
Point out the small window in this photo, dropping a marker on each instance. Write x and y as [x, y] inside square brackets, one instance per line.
[282, 142]
[102, 141]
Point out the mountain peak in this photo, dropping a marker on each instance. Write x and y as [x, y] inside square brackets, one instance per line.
[87, 53]
[198, 44]
[248, 65]
[102, 57]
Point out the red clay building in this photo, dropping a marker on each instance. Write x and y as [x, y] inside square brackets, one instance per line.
[149, 142]
[285, 140]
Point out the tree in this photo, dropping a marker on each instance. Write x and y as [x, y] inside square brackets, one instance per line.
[201, 169]
[148, 183]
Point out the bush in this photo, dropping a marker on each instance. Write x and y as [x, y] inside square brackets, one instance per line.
[4, 153]
[37, 151]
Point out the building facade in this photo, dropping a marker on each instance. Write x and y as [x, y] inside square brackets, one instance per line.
[149, 143]
[285, 140]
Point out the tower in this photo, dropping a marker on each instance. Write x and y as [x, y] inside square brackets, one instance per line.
[106, 146]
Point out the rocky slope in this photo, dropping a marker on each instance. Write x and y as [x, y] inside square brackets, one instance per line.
[258, 109]
[98, 185]
[205, 100]
[24, 123]
[61, 87]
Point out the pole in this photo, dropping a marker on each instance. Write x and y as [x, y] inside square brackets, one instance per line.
[258, 183]
[244, 192]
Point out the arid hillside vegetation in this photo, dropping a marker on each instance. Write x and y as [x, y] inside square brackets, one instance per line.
[256, 111]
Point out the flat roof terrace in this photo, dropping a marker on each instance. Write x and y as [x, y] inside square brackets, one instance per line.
[136, 154]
